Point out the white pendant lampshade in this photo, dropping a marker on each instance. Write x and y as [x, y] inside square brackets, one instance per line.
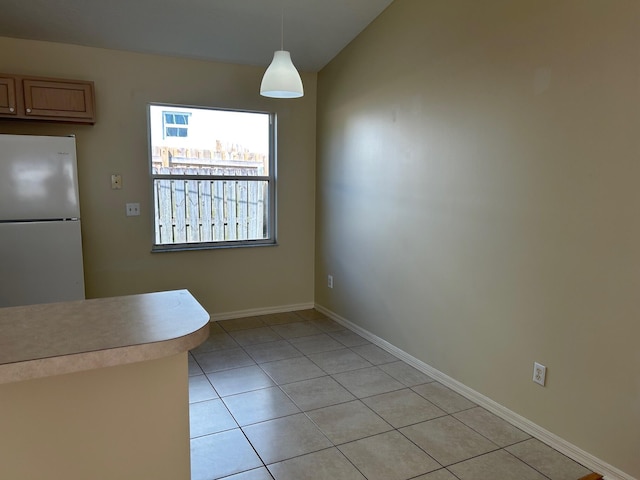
[281, 80]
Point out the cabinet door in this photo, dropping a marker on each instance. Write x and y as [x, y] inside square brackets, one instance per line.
[51, 99]
[8, 96]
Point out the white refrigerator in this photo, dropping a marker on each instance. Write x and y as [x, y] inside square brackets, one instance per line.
[40, 240]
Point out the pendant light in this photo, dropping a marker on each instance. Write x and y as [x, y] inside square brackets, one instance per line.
[281, 80]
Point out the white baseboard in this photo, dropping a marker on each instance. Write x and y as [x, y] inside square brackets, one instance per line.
[260, 311]
[609, 472]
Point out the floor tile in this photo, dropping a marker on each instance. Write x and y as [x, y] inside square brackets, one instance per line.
[200, 389]
[327, 464]
[292, 370]
[215, 328]
[316, 344]
[272, 351]
[349, 338]
[317, 393]
[239, 380]
[550, 462]
[374, 354]
[283, 438]
[260, 405]
[252, 336]
[221, 454]
[209, 417]
[338, 361]
[217, 341]
[327, 325]
[497, 430]
[241, 323]
[491, 466]
[223, 360]
[406, 374]
[295, 330]
[388, 456]
[280, 318]
[448, 440]
[348, 421]
[403, 407]
[443, 397]
[367, 382]
[257, 474]
[443, 474]
[194, 368]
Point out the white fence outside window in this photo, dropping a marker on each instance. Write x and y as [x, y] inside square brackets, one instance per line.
[194, 205]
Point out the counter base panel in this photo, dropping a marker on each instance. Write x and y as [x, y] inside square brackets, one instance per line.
[126, 422]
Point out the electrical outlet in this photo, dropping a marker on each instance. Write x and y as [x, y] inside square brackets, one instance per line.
[539, 373]
[133, 209]
[330, 281]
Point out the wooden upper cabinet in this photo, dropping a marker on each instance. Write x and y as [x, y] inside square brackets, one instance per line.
[8, 96]
[52, 99]
[58, 99]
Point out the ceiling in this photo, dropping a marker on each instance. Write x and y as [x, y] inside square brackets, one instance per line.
[234, 31]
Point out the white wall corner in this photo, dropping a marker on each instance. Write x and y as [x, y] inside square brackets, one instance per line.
[589, 461]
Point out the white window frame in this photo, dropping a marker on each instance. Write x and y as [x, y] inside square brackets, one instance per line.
[270, 179]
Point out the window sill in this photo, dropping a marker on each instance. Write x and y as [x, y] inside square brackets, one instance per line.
[182, 247]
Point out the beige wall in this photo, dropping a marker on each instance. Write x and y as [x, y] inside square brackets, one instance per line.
[117, 248]
[478, 202]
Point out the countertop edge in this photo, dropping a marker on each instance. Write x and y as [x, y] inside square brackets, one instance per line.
[47, 367]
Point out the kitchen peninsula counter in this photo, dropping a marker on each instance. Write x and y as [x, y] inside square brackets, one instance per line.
[55, 338]
[98, 388]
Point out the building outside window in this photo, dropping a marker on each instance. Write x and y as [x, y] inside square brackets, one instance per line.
[175, 124]
[213, 177]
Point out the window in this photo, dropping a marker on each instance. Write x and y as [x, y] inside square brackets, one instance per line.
[213, 186]
[175, 124]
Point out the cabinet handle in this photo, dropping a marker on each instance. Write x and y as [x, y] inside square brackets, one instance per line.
[28, 110]
[11, 109]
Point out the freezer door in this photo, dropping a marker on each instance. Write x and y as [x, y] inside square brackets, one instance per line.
[38, 178]
[40, 262]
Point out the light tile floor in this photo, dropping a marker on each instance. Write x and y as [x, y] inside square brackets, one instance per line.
[296, 396]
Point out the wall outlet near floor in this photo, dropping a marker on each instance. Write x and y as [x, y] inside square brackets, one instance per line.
[330, 281]
[133, 209]
[539, 373]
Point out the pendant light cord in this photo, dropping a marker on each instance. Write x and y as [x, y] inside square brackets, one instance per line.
[282, 29]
